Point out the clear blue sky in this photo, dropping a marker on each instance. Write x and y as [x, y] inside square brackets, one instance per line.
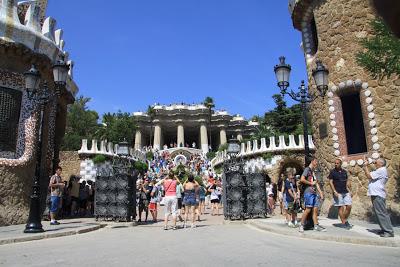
[132, 53]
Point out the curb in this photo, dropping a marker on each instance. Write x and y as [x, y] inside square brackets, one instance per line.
[339, 239]
[45, 235]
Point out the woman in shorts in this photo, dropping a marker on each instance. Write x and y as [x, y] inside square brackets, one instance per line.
[190, 199]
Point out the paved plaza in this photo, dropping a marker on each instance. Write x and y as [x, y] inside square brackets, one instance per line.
[213, 243]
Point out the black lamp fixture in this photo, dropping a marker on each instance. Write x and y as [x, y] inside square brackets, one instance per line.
[123, 148]
[60, 73]
[282, 73]
[233, 147]
[320, 76]
[41, 96]
[32, 81]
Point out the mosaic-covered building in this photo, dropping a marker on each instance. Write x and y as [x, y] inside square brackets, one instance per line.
[360, 117]
[28, 37]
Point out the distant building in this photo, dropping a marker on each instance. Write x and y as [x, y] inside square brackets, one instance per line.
[184, 125]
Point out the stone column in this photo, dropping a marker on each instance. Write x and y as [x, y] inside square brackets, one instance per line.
[157, 137]
[138, 139]
[239, 137]
[181, 136]
[222, 136]
[203, 138]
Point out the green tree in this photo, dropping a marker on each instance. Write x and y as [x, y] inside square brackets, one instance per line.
[282, 120]
[116, 127]
[209, 103]
[82, 123]
[381, 54]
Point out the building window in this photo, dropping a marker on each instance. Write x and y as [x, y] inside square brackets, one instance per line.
[353, 123]
[10, 107]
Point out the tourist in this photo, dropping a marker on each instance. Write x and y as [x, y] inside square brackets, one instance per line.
[377, 192]
[143, 200]
[65, 201]
[73, 191]
[214, 196]
[190, 187]
[281, 189]
[56, 185]
[270, 199]
[83, 198]
[339, 183]
[292, 199]
[154, 196]
[179, 196]
[169, 183]
[202, 199]
[311, 187]
[90, 202]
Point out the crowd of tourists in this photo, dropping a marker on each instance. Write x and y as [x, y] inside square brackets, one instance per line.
[184, 187]
[71, 199]
[303, 193]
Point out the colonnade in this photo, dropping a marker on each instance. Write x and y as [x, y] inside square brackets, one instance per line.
[204, 140]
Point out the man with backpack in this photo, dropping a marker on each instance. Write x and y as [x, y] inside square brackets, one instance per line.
[311, 188]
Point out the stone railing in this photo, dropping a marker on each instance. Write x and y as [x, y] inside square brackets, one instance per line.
[107, 149]
[89, 169]
[251, 149]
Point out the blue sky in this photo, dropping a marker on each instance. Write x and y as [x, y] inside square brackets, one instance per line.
[132, 53]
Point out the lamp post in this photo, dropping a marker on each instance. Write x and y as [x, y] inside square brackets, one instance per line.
[320, 75]
[41, 97]
[233, 148]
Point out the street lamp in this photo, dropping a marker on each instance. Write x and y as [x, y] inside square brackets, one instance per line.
[41, 97]
[320, 76]
[123, 148]
[233, 147]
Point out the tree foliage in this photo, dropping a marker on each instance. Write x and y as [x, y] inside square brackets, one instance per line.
[81, 124]
[381, 55]
[283, 120]
[116, 127]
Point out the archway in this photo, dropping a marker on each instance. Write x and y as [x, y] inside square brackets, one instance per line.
[291, 162]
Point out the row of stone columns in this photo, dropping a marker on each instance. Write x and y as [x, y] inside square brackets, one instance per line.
[181, 137]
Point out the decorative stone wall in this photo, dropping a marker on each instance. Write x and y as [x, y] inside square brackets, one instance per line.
[70, 163]
[341, 24]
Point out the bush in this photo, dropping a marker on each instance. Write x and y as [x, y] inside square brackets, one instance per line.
[223, 147]
[210, 155]
[149, 155]
[98, 159]
[140, 166]
[267, 156]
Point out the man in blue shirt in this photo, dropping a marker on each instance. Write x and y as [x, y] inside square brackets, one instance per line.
[377, 192]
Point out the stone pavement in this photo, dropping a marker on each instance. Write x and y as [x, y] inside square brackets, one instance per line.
[14, 233]
[362, 233]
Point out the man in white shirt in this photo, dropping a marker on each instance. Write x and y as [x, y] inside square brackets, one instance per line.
[376, 190]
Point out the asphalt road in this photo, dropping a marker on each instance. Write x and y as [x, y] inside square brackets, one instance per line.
[210, 244]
